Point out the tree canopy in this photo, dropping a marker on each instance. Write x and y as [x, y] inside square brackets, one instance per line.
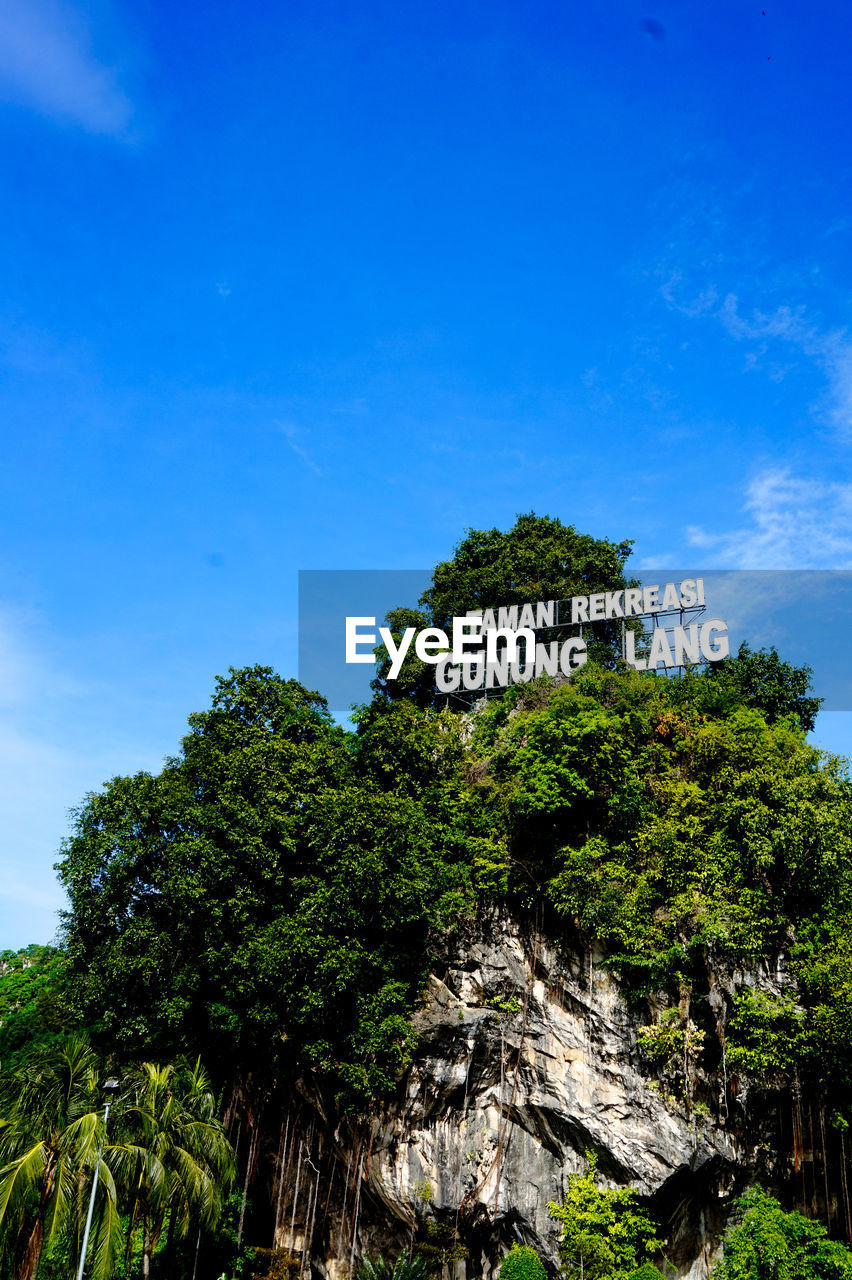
[33, 999]
[765, 1243]
[760, 679]
[539, 558]
[604, 1234]
[277, 891]
[274, 896]
[278, 887]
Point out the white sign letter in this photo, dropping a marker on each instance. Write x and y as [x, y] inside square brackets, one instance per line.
[715, 652]
[572, 654]
[397, 655]
[431, 644]
[630, 652]
[446, 677]
[354, 638]
[466, 633]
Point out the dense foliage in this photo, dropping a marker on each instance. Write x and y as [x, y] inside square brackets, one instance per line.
[33, 999]
[760, 679]
[272, 899]
[274, 893]
[604, 1234]
[522, 1263]
[539, 558]
[163, 1160]
[274, 882]
[765, 1243]
[281, 878]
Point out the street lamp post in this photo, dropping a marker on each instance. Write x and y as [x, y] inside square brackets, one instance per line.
[109, 1089]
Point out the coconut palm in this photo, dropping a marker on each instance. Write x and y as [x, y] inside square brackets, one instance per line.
[173, 1160]
[51, 1135]
[407, 1267]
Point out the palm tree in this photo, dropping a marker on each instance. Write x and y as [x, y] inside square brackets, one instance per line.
[50, 1136]
[407, 1267]
[175, 1160]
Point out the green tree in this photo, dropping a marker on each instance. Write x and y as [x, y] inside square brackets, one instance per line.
[276, 893]
[759, 678]
[353, 954]
[604, 1233]
[270, 893]
[50, 1135]
[539, 558]
[33, 999]
[767, 1034]
[522, 1263]
[172, 1160]
[765, 1243]
[174, 878]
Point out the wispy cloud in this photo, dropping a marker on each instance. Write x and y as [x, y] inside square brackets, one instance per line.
[58, 741]
[830, 349]
[794, 522]
[768, 332]
[47, 62]
[39, 779]
[291, 435]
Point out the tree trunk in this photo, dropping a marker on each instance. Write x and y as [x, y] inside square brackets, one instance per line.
[197, 1248]
[249, 1161]
[170, 1239]
[131, 1227]
[78, 1219]
[35, 1242]
[32, 1252]
[147, 1245]
[844, 1183]
[824, 1162]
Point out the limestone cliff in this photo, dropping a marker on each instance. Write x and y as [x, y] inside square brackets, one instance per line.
[527, 1058]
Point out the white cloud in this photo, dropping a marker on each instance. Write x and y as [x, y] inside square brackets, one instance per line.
[795, 522]
[829, 349]
[47, 62]
[25, 672]
[657, 562]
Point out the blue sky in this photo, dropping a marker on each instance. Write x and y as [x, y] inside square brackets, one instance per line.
[321, 285]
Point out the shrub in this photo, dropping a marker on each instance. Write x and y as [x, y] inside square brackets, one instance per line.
[522, 1263]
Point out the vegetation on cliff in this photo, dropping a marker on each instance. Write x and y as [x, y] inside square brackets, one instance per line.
[273, 897]
[274, 891]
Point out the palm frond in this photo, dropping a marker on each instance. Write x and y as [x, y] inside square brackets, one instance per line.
[20, 1178]
[62, 1200]
[109, 1231]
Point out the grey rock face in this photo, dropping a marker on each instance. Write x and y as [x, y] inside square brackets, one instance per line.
[527, 1058]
